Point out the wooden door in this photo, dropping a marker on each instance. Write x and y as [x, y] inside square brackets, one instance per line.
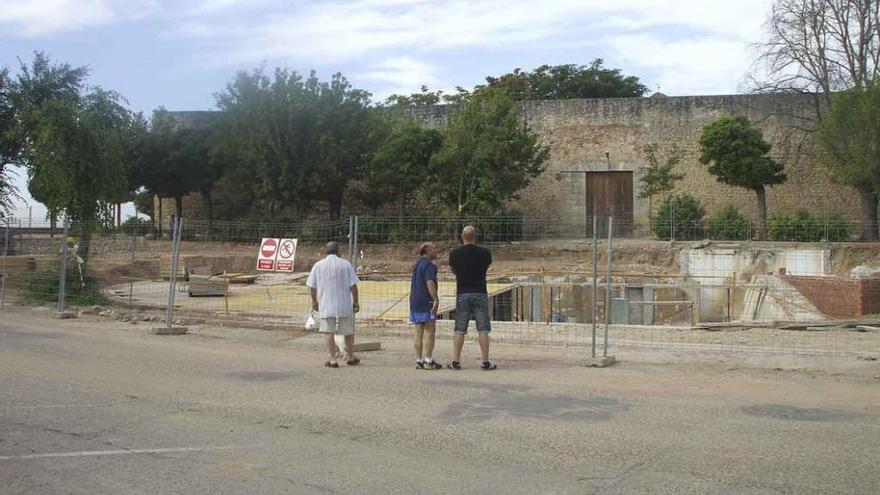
[610, 193]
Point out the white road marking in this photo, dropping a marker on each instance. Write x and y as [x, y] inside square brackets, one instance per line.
[93, 453]
[60, 406]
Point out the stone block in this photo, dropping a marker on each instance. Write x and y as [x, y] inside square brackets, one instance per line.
[600, 361]
[169, 330]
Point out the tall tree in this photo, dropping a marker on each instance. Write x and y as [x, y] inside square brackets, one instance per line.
[560, 82]
[738, 155]
[819, 47]
[270, 126]
[659, 178]
[849, 145]
[401, 166]
[79, 156]
[488, 155]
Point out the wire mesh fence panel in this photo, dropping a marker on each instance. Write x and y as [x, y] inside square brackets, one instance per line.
[777, 298]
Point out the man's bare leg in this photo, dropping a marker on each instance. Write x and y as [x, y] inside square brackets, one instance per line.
[417, 339]
[332, 350]
[349, 347]
[430, 330]
[457, 344]
[483, 338]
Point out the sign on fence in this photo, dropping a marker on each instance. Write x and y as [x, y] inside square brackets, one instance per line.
[286, 255]
[267, 254]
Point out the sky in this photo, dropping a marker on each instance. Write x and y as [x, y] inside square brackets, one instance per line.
[180, 53]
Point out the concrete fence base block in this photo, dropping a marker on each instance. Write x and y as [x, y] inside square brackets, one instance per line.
[600, 362]
[367, 346]
[66, 315]
[169, 330]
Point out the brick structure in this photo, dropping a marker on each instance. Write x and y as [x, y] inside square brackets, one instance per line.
[840, 297]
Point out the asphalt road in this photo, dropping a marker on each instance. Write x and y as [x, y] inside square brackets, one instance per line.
[89, 406]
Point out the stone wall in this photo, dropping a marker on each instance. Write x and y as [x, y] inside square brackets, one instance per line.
[580, 132]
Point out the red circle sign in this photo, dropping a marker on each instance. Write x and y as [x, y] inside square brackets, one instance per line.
[268, 248]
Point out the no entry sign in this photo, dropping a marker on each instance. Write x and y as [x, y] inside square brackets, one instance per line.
[267, 254]
[286, 255]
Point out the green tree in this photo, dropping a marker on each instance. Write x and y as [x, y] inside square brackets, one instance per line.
[849, 145]
[559, 82]
[659, 178]
[79, 156]
[488, 155]
[401, 166]
[738, 155]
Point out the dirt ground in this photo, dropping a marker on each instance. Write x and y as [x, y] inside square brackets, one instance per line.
[94, 406]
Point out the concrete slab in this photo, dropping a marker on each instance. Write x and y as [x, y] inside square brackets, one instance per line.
[600, 361]
[169, 330]
[367, 346]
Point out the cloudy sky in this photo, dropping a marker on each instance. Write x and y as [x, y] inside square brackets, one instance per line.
[179, 53]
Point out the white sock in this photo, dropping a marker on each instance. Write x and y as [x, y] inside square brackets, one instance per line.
[429, 359]
[419, 360]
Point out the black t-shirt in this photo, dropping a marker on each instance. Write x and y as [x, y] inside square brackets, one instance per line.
[470, 263]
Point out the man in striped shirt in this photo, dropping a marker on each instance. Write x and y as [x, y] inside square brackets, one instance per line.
[333, 287]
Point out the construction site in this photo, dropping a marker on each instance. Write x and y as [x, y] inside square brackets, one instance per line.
[813, 298]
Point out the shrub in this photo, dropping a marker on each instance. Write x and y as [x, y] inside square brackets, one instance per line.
[730, 225]
[679, 215]
[802, 227]
[41, 287]
[136, 226]
[837, 228]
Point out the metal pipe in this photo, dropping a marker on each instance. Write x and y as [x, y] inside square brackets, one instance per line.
[175, 250]
[62, 280]
[608, 286]
[5, 255]
[595, 279]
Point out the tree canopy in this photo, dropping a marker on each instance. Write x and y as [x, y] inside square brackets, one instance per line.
[738, 155]
[561, 82]
[849, 145]
[489, 154]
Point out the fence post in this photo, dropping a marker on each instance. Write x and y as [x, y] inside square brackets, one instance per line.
[131, 278]
[595, 314]
[5, 255]
[350, 239]
[62, 280]
[172, 281]
[672, 219]
[608, 287]
[354, 245]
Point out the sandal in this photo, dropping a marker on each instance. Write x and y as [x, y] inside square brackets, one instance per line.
[331, 364]
[455, 365]
[353, 362]
[488, 366]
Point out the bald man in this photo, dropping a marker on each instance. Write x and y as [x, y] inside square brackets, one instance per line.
[470, 262]
[333, 287]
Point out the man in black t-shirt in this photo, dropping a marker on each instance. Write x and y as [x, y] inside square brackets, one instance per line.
[470, 262]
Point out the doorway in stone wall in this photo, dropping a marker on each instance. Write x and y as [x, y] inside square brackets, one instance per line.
[610, 193]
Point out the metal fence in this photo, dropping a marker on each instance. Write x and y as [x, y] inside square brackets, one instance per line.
[608, 295]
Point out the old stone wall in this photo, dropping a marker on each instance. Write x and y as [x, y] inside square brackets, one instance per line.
[580, 132]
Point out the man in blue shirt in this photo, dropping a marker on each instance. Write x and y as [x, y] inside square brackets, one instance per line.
[423, 305]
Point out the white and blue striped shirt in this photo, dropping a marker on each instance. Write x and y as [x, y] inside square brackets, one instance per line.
[333, 278]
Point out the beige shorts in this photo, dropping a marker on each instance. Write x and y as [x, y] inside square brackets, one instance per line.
[339, 325]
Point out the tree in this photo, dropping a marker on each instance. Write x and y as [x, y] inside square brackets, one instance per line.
[559, 82]
[738, 155]
[819, 47]
[401, 166]
[659, 178]
[270, 131]
[21, 97]
[849, 145]
[79, 156]
[488, 155]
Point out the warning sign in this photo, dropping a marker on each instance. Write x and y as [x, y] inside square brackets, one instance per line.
[286, 255]
[266, 256]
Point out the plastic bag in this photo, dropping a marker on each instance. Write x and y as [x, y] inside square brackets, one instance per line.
[312, 323]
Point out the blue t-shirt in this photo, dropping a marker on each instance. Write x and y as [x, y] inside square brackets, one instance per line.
[420, 300]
